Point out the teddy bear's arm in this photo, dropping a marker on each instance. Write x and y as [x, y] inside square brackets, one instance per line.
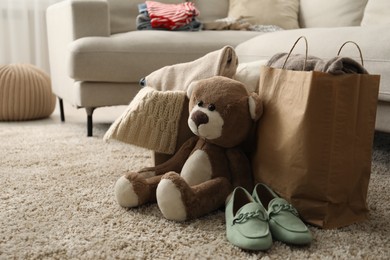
[240, 167]
[176, 162]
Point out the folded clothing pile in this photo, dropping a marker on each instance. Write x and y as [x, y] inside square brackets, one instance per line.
[241, 23]
[337, 65]
[156, 15]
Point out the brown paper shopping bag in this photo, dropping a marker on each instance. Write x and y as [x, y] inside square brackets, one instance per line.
[314, 142]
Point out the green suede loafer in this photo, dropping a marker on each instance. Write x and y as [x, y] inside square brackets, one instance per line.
[284, 221]
[246, 222]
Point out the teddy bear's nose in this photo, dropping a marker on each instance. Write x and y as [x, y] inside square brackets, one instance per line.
[199, 118]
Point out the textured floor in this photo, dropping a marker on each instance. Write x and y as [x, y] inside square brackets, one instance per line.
[57, 202]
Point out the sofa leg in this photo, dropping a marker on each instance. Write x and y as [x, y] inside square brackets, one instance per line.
[62, 113]
[89, 120]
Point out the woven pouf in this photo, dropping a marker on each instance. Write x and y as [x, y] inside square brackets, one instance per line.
[25, 93]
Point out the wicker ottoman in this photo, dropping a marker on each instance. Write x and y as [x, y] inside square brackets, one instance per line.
[25, 93]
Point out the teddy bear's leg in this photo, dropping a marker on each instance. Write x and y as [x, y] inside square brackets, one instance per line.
[133, 189]
[178, 201]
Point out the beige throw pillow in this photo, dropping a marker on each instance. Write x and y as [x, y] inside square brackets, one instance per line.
[211, 10]
[331, 13]
[283, 13]
[376, 12]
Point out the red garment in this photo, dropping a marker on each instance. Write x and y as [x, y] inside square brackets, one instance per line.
[170, 16]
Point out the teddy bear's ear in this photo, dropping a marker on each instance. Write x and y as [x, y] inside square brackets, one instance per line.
[255, 106]
[190, 88]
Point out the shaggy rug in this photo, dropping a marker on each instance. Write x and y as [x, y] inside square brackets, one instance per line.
[57, 202]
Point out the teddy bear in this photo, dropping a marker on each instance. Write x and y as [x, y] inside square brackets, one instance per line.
[198, 178]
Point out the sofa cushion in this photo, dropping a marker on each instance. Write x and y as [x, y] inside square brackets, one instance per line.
[376, 12]
[331, 13]
[128, 57]
[283, 13]
[325, 43]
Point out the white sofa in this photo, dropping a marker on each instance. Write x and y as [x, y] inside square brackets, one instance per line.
[97, 56]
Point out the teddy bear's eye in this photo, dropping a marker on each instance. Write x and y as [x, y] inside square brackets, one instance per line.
[211, 107]
[200, 104]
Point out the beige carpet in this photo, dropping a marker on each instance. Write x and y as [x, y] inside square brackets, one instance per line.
[56, 202]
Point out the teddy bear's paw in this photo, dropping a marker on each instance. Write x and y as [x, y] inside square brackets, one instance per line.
[169, 198]
[125, 193]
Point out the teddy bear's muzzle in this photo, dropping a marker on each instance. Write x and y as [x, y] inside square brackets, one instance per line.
[199, 118]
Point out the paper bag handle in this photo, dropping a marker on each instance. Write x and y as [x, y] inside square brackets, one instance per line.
[306, 45]
[360, 51]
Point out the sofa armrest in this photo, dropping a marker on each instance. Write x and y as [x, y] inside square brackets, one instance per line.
[73, 19]
[68, 21]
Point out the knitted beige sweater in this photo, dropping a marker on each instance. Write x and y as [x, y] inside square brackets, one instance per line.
[150, 121]
[152, 118]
